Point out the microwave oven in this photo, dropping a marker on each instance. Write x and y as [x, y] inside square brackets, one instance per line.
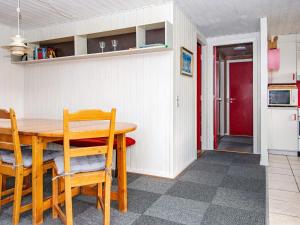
[282, 95]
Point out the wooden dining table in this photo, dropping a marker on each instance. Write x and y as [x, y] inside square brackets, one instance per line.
[39, 132]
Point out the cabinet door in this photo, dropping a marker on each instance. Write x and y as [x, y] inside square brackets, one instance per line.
[283, 130]
[288, 63]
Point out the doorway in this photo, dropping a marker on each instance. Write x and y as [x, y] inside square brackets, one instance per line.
[233, 90]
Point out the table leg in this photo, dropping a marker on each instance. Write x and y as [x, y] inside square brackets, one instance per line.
[122, 176]
[37, 181]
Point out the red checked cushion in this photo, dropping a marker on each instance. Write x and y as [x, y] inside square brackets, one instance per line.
[89, 142]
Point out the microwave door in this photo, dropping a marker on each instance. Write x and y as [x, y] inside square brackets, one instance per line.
[280, 97]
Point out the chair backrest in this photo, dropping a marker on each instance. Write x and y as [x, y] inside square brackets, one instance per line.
[12, 142]
[69, 134]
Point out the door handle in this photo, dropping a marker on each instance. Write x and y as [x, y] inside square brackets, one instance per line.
[294, 117]
[232, 99]
[219, 99]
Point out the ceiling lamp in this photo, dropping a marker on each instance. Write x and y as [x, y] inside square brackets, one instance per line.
[18, 46]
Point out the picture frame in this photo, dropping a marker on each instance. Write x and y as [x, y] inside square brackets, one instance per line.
[186, 62]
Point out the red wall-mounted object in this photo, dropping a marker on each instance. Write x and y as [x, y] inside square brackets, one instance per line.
[298, 85]
[274, 59]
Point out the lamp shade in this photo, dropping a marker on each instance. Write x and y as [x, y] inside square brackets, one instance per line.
[274, 59]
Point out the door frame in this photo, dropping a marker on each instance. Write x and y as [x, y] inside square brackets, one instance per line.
[227, 91]
[208, 93]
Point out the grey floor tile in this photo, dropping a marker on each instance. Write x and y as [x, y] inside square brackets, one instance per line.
[246, 159]
[149, 220]
[152, 184]
[256, 172]
[245, 184]
[193, 191]
[93, 216]
[202, 177]
[240, 199]
[223, 158]
[178, 210]
[220, 215]
[209, 167]
[139, 201]
[130, 178]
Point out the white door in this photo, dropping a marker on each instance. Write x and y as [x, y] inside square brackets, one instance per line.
[283, 129]
[288, 62]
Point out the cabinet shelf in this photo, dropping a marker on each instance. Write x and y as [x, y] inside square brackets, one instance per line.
[145, 38]
[98, 55]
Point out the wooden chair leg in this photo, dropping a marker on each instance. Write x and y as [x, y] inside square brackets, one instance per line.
[54, 195]
[68, 201]
[1, 182]
[106, 211]
[99, 195]
[4, 182]
[17, 196]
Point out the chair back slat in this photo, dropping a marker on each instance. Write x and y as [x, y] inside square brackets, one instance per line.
[7, 146]
[12, 143]
[88, 134]
[86, 151]
[88, 115]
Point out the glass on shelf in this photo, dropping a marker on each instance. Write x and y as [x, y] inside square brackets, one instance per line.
[114, 44]
[102, 45]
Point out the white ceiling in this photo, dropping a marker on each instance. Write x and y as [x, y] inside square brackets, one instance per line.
[213, 17]
[222, 17]
[39, 13]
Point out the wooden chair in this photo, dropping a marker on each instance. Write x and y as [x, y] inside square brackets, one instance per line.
[84, 165]
[14, 163]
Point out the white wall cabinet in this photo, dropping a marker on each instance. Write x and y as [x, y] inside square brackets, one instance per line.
[287, 73]
[283, 129]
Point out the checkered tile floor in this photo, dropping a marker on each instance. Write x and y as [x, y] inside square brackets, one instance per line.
[218, 189]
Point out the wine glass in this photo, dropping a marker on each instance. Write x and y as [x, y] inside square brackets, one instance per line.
[114, 44]
[102, 45]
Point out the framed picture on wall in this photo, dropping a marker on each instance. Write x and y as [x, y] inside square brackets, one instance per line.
[186, 62]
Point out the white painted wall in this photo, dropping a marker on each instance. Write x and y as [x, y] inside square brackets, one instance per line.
[11, 76]
[184, 131]
[139, 86]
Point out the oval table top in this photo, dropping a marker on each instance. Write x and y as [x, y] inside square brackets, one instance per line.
[54, 128]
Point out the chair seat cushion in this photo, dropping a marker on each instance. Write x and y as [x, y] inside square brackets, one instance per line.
[81, 164]
[8, 157]
[90, 142]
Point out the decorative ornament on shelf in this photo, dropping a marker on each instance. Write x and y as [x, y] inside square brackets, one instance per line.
[18, 46]
[273, 55]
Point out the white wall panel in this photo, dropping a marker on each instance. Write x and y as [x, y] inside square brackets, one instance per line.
[184, 144]
[138, 86]
[11, 77]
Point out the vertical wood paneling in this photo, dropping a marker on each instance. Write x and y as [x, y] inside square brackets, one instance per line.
[185, 151]
[11, 77]
[139, 86]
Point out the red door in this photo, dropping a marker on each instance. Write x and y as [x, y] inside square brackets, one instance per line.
[241, 98]
[199, 97]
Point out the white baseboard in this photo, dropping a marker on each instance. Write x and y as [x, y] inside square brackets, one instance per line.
[282, 152]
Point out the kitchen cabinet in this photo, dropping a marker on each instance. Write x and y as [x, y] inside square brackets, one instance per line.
[283, 129]
[287, 73]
